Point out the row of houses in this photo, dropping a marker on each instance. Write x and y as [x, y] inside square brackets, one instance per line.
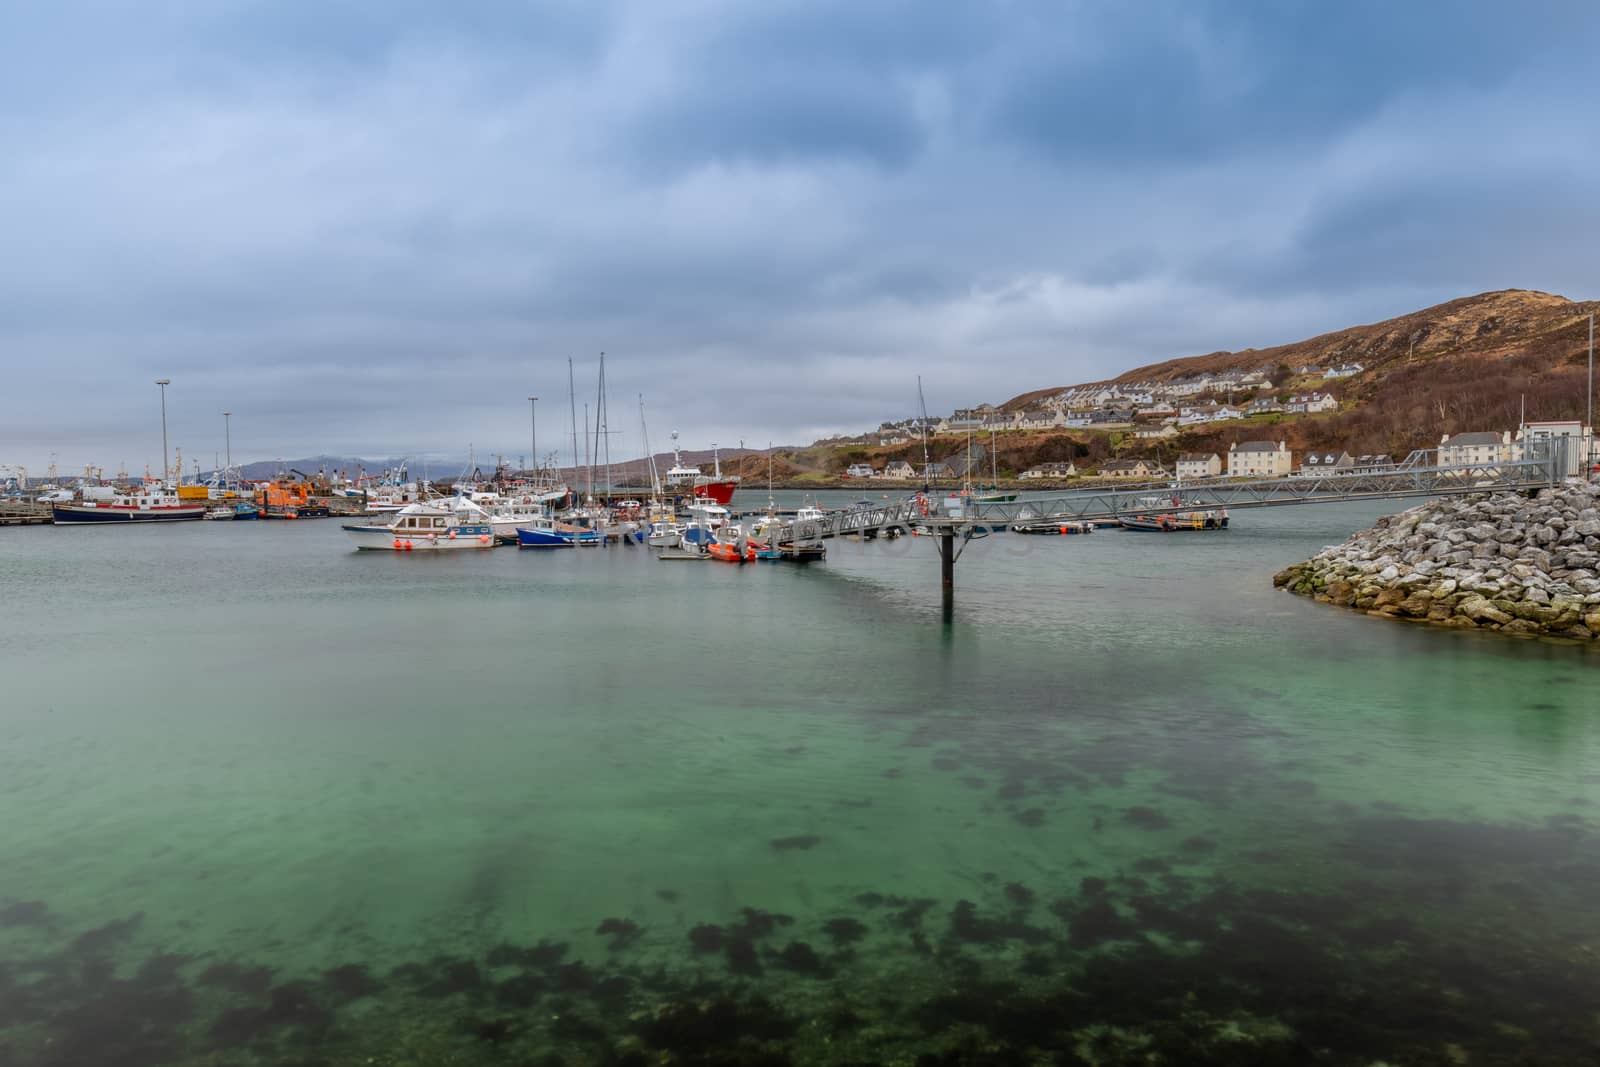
[1481, 452]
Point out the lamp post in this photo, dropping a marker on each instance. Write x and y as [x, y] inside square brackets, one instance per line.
[227, 434]
[533, 429]
[164, 382]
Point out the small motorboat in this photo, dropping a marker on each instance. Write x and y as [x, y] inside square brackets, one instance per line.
[732, 551]
[544, 532]
[221, 514]
[243, 510]
[1176, 521]
[1062, 527]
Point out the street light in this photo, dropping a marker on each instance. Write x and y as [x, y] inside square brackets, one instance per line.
[164, 382]
[227, 433]
[533, 429]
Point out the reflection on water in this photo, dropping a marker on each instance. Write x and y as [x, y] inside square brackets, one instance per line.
[270, 801]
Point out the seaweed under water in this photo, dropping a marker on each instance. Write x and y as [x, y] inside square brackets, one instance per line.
[1113, 971]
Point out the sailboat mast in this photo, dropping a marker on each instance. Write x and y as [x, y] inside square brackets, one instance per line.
[603, 418]
[573, 406]
[650, 457]
[922, 404]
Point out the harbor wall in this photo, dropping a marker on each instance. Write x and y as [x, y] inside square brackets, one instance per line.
[1518, 564]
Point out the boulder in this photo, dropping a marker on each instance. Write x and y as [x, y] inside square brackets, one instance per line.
[1479, 610]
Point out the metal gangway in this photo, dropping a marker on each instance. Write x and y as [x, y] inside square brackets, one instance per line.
[1539, 464]
[864, 520]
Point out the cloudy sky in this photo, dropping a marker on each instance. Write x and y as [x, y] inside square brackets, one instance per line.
[375, 226]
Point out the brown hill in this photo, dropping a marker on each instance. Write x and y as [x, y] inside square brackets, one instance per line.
[1464, 365]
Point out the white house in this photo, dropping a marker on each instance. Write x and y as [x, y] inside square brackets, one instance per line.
[1343, 370]
[859, 470]
[1157, 431]
[1312, 403]
[1259, 459]
[899, 469]
[1199, 465]
[1050, 470]
[1317, 464]
[1481, 451]
[1037, 420]
[1131, 468]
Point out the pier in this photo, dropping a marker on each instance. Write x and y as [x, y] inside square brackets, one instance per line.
[24, 513]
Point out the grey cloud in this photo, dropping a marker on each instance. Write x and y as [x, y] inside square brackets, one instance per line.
[375, 228]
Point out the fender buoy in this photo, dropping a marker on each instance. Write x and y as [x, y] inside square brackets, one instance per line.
[409, 546]
[398, 544]
[484, 538]
[1063, 531]
[452, 535]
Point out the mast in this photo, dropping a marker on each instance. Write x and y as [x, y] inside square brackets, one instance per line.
[572, 405]
[650, 458]
[588, 462]
[927, 464]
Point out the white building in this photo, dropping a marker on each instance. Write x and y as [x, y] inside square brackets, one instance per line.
[1199, 465]
[1577, 442]
[859, 470]
[1343, 370]
[1259, 459]
[1312, 404]
[1482, 451]
[1317, 464]
[900, 470]
[1050, 470]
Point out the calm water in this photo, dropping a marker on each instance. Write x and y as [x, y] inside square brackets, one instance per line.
[269, 800]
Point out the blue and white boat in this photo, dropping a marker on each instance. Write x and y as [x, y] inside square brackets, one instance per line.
[544, 532]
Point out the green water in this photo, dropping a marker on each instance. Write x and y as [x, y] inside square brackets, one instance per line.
[269, 800]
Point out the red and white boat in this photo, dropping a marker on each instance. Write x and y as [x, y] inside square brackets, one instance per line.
[715, 486]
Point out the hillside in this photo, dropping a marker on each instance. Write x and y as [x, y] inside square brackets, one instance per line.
[1463, 365]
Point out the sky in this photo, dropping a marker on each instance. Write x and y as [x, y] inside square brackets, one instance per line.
[375, 227]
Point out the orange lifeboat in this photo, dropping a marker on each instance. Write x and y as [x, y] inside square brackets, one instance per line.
[729, 553]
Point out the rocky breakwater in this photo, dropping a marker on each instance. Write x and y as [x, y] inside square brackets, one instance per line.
[1507, 562]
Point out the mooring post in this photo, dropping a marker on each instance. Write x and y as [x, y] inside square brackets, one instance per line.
[947, 569]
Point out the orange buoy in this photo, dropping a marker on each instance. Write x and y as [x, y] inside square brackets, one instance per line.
[482, 537]
[397, 544]
[409, 546]
[1063, 531]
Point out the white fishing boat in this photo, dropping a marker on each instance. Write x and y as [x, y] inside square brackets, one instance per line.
[428, 528]
[705, 519]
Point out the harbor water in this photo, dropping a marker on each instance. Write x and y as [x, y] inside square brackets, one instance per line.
[268, 800]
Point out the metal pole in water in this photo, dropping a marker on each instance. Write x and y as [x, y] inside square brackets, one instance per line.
[947, 568]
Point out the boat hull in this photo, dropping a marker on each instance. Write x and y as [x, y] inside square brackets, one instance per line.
[79, 514]
[386, 539]
[557, 538]
[1174, 523]
[718, 492]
